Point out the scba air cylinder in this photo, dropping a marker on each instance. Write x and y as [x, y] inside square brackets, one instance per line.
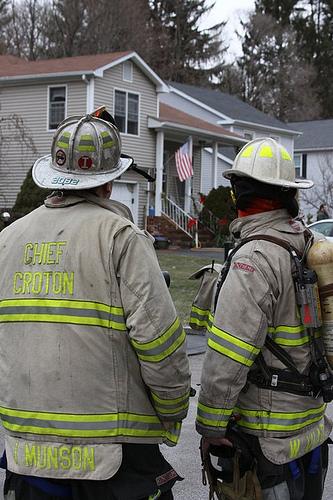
[320, 259]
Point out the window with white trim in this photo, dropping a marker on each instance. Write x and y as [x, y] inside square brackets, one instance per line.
[298, 165]
[126, 112]
[128, 71]
[57, 106]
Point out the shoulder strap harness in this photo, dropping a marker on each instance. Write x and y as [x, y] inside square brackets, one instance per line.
[319, 382]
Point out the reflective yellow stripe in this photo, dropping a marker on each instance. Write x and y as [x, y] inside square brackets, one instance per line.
[213, 417]
[162, 347]
[171, 406]
[266, 152]
[63, 141]
[201, 317]
[278, 421]
[234, 340]
[247, 152]
[99, 425]
[62, 311]
[285, 155]
[107, 140]
[170, 401]
[232, 347]
[291, 336]
[171, 411]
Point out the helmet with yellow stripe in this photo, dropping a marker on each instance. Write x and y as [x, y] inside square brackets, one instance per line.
[86, 153]
[267, 161]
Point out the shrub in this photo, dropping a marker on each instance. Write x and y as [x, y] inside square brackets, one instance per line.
[30, 197]
[220, 204]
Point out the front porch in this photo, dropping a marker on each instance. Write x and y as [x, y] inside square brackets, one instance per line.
[173, 203]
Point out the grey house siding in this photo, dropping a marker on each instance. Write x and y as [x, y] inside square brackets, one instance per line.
[30, 102]
[143, 146]
[189, 107]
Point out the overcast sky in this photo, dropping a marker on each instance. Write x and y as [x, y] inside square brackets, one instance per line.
[230, 11]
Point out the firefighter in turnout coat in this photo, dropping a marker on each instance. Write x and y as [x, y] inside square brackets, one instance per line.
[286, 432]
[94, 372]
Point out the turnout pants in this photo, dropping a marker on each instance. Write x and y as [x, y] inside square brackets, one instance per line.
[143, 475]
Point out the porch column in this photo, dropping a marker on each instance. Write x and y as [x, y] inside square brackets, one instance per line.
[188, 182]
[159, 172]
[214, 164]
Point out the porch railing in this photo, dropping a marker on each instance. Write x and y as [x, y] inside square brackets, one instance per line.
[178, 216]
[210, 221]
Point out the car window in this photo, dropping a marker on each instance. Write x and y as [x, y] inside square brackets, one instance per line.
[325, 228]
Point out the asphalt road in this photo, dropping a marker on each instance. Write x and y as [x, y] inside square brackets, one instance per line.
[185, 457]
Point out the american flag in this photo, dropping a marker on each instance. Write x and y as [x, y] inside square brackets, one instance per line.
[184, 162]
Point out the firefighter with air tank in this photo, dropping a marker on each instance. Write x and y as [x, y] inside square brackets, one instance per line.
[265, 379]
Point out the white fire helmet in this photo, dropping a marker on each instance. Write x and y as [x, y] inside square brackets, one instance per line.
[85, 154]
[267, 161]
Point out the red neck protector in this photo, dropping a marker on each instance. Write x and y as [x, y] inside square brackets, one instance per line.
[259, 205]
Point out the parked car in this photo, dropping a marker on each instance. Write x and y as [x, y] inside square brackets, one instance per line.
[324, 227]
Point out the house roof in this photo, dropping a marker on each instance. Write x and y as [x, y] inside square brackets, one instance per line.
[15, 66]
[172, 117]
[13, 69]
[230, 106]
[317, 134]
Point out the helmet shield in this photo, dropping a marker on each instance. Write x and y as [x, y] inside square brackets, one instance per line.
[267, 161]
[86, 153]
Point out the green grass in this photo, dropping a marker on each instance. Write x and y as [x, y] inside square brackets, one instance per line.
[182, 289]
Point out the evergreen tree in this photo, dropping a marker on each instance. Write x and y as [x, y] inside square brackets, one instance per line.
[184, 52]
[314, 27]
[276, 77]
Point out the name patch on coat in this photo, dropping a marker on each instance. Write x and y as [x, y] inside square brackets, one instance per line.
[243, 267]
[63, 460]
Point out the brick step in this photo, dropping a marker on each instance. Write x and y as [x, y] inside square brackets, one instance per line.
[163, 226]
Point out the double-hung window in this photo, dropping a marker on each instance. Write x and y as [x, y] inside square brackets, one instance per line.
[300, 165]
[57, 106]
[126, 112]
